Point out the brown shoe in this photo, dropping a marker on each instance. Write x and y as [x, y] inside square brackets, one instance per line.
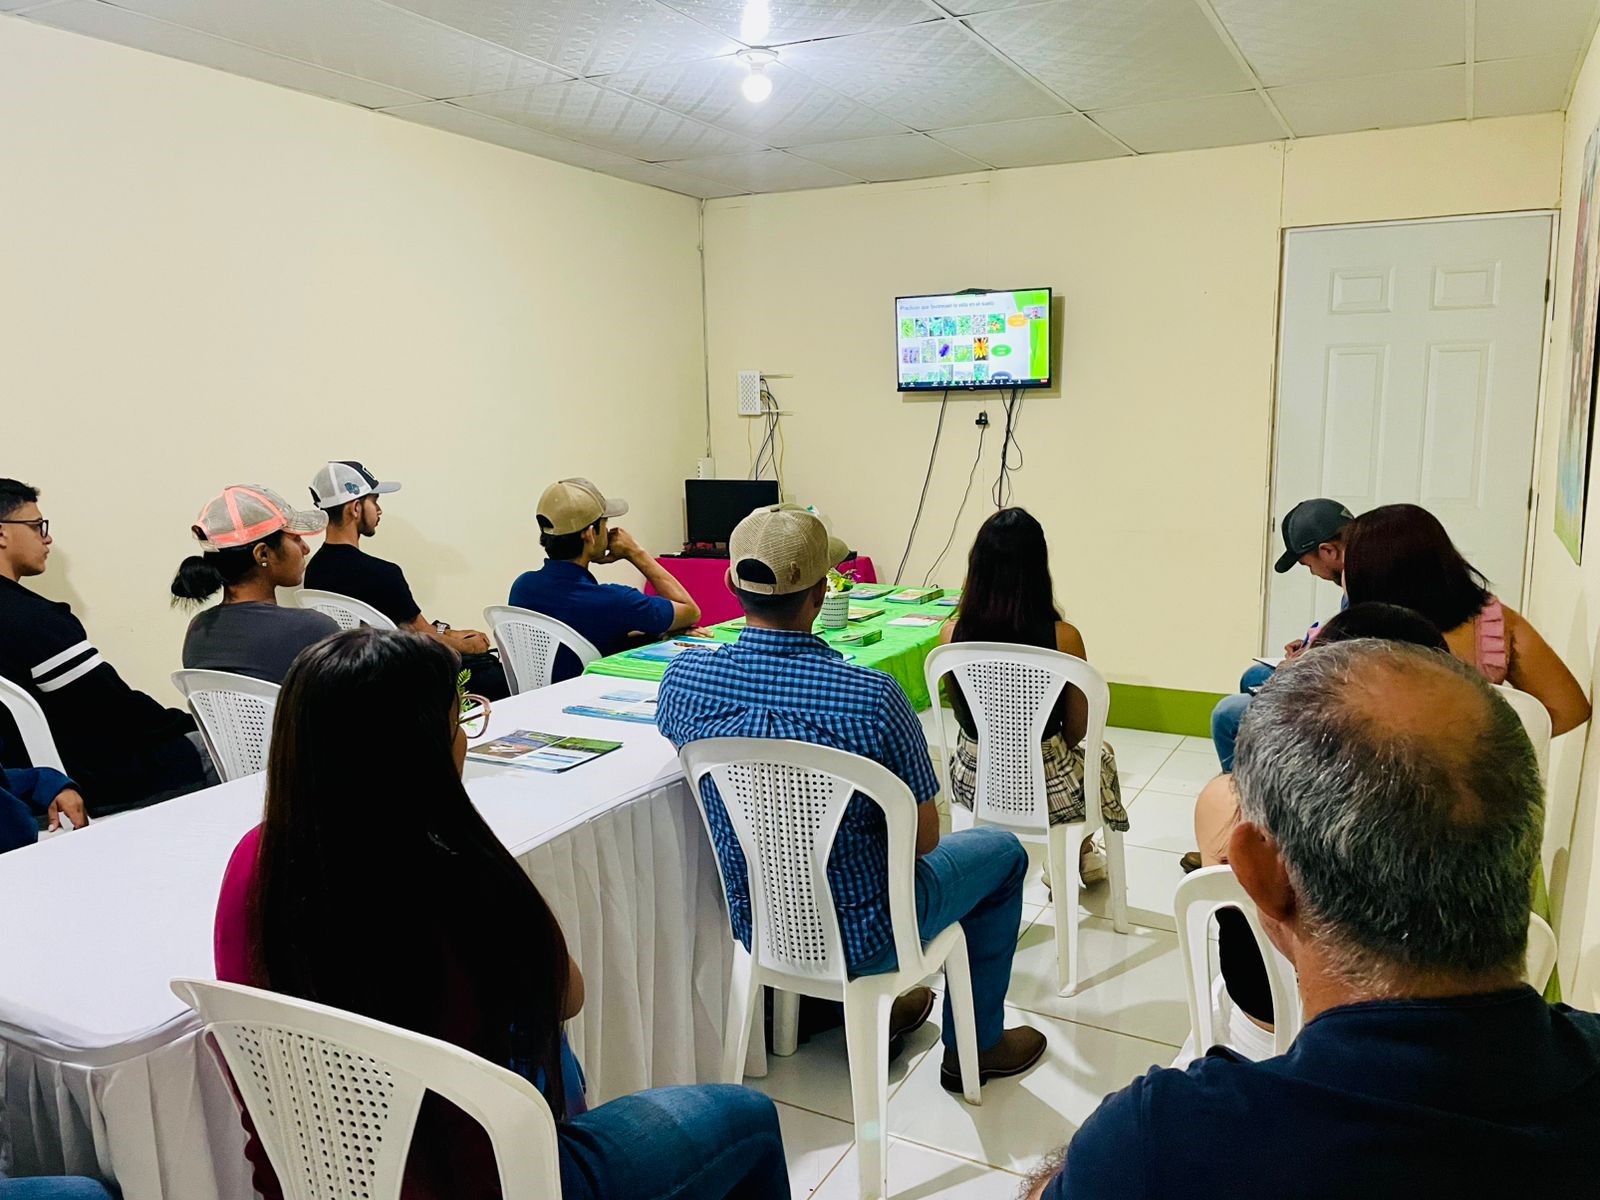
[1016, 1051]
[910, 1012]
[1190, 861]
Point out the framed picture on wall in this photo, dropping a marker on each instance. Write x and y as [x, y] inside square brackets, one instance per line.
[1577, 429]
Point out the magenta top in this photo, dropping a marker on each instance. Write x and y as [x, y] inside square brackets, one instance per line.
[1492, 651]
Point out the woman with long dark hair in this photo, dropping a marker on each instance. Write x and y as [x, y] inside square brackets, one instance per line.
[253, 545]
[1401, 554]
[374, 885]
[1008, 597]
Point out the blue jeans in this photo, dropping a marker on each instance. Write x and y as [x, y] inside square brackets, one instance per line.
[53, 1187]
[1230, 710]
[974, 877]
[710, 1142]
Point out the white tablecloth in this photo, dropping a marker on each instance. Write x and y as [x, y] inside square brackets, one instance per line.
[101, 1070]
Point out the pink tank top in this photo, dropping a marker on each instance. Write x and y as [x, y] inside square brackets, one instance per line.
[1493, 654]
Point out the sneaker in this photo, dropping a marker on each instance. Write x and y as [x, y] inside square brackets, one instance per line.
[1016, 1051]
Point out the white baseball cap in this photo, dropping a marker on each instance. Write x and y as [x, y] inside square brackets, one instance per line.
[341, 482]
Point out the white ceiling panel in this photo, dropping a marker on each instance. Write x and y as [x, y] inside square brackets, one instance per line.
[962, 8]
[146, 33]
[898, 156]
[582, 37]
[1033, 142]
[927, 76]
[359, 37]
[1374, 102]
[656, 175]
[1301, 41]
[767, 171]
[583, 112]
[1508, 87]
[803, 20]
[797, 111]
[1193, 124]
[21, 5]
[1524, 28]
[1106, 53]
[441, 114]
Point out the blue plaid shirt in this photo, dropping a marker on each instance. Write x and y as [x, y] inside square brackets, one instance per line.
[775, 683]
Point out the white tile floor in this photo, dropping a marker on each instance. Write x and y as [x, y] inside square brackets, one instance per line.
[1128, 1016]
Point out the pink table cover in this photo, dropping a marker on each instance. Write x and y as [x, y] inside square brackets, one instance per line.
[706, 579]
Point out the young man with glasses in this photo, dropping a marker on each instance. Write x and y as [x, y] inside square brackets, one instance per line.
[121, 746]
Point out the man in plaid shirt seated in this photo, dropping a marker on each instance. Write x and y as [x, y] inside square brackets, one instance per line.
[780, 681]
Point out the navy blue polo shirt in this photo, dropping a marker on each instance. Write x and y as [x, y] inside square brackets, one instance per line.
[1406, 1098]
[605, 613]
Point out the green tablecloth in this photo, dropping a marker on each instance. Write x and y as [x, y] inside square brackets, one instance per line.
[900, 653]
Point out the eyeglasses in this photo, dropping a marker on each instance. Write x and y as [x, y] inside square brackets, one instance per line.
[38, 524]
[475, 712]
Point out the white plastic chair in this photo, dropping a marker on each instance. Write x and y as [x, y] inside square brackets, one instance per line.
[1541, 953]
[1011, 691]
[31, 724]
[334, 1096]
[784, 801]
[1195, 903]
[235, 717]
[349, 612]
[528, 642]
[1535, 719]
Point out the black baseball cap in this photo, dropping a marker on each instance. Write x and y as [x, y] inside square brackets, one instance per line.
[1307, 526]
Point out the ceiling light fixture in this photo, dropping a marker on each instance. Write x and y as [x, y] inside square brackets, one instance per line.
[755, 22]
[757, 85]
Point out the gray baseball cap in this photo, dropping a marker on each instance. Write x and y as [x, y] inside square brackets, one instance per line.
[1307, 525]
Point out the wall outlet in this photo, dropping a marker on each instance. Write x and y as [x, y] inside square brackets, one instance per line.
[749, 393]
[706, 468]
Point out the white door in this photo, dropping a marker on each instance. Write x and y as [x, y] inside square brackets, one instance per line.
[1408, 371]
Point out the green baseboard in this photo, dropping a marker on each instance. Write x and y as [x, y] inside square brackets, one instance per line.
[1166, 710]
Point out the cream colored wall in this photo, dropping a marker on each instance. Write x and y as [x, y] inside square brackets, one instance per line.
[1564, 603]
[1149, 465]
[207, 280]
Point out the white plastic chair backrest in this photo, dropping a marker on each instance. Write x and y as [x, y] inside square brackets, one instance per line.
[334, 1096]
[1011, 691]
[528, 641]
[31, 724]
[1196, 901]
[1535, 719]
[785, 801]
[235, 716]
[349, 612]
[1541, 952]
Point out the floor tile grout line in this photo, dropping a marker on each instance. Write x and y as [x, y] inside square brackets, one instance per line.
[948, 1153]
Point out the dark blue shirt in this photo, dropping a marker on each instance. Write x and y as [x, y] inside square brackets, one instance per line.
[774, 683]
[26, 794]
[605, 613]
[1479, 1096]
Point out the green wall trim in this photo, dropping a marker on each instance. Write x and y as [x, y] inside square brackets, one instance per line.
[1167, 710]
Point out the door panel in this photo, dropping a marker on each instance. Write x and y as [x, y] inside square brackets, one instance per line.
[1409, 371]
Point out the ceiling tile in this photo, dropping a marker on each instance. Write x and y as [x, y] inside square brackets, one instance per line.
[441, 114]
[656, 175]
[767, 171]
[1510, 86]
[963, 8]
[12, 6]
[1300, 41]
[1519, 29]
[582, 37]
[146, 33]
[1104, 53]
[359, 37]
[1374, 102]
[797, 111]
[1193, 124]
[898, 156]
[583, 112]
[1034, 142]
[802, 20]
[926, 76]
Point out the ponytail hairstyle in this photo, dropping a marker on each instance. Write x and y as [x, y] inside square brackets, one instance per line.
[201, 576]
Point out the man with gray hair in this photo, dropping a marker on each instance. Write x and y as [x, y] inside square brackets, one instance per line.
[1390, 819]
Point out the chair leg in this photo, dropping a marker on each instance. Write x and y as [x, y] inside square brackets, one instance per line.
[1064, 894]
[1117, 879]
[785, 1022]
[736, 1040]
[958, 982]
[866, 1035]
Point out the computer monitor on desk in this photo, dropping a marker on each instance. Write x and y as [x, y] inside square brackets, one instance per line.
[712, 507]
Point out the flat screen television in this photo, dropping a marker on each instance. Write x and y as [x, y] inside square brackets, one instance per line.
[971, 340]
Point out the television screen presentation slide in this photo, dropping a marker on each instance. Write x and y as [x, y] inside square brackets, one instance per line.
[976, 340]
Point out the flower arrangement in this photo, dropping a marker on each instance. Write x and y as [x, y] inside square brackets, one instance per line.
[840, 582]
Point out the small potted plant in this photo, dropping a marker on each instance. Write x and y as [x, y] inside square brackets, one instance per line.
[836, 607]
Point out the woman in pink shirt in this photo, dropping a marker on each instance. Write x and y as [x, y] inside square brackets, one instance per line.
[374, 885]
